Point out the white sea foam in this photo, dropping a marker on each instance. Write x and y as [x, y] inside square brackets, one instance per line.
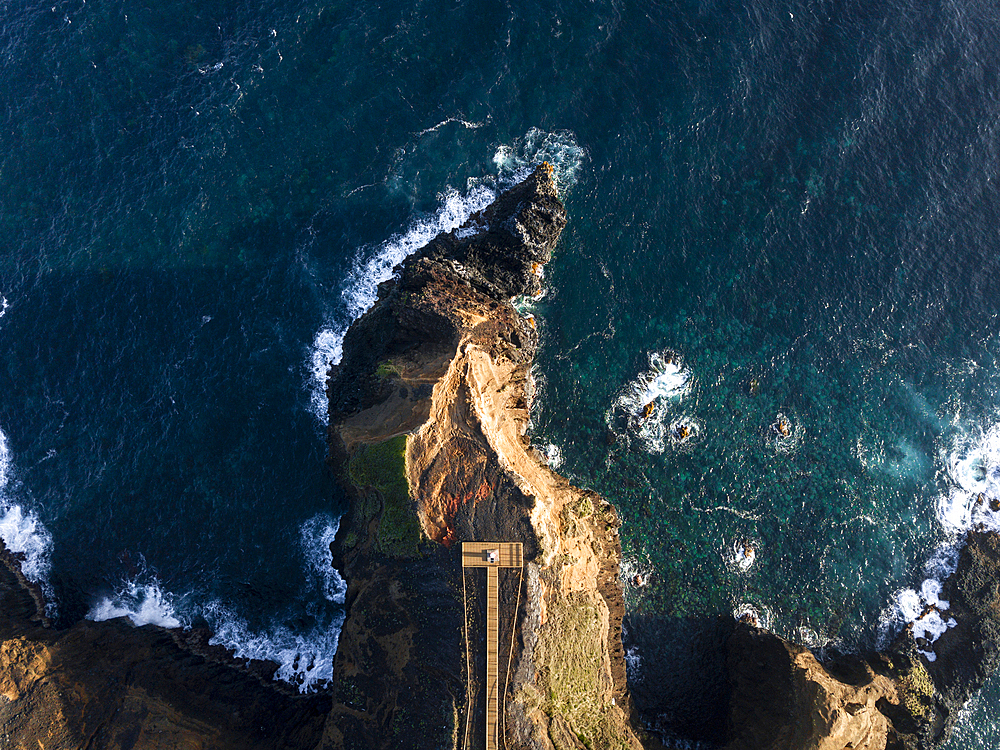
[372, 267]
[972, 464]
[22, 533]
[633, 664]
[923, 612]
[454, 210]
[633, 659]
[646, 408]
[459, 120]
[742, 554]
[970, 499]
[316, 536]
[786, 433]
[142, 603]
[634, 573]
[760, 617]
[559, 148]
[375, 265]
[553, 455]
[303, 659]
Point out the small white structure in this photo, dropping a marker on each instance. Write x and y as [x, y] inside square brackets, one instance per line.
[493, 556]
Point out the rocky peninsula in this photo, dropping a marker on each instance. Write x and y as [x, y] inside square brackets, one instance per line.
[429, 415]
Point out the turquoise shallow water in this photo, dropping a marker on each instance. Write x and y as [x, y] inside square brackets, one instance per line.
[796, 201]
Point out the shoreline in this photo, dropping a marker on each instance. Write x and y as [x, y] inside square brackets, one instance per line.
[429, 411]
[441, 363]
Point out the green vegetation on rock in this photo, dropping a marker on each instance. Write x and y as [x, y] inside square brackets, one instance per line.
[382, 467]
[387, 370]
[572, 666]
[917, 689]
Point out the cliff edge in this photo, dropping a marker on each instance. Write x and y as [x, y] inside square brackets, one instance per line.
[113, 686]
[428, 415]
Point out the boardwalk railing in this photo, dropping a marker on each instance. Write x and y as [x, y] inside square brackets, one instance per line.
[492, 556]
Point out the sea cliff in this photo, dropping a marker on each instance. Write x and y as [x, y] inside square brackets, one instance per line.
[113, 685]
[429, 414]
[428, 422]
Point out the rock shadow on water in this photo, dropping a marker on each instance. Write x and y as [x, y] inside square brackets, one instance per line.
[678, 677]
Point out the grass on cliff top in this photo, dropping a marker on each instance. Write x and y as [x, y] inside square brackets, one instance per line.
[383, 467]
[573, 678]
[387, 370]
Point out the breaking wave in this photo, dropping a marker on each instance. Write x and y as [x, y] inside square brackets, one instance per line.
[646, 410]
[969, 500]
[553, 456]
[142, 603]
[559, 148]
[304, 659]
[316, 536]
[372, 266]
[304, 655]
[22, 532]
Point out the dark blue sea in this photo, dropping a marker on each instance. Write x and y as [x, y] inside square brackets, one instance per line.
[783, 234]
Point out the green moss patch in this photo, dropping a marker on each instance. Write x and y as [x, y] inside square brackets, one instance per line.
[916, 689]
[382, 467]
[387, 370]
[573, 678]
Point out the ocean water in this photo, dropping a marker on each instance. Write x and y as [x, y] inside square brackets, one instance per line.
[782, 236]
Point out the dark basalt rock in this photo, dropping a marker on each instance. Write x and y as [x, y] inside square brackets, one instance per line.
[400, 673]
[928, 693]
[969, 653]
[511, 237]
[494, 256]
[112, 685]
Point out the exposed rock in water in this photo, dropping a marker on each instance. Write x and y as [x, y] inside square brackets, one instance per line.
[964, 655]
[752, 690]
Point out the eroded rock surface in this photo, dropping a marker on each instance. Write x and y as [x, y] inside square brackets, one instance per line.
[111, 685]
[782, 698]
[428, 413]
[965, 655]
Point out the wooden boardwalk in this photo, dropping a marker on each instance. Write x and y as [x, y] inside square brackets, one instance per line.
[492, 556]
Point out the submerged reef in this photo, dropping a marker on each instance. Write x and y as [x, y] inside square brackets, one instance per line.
[429, 412]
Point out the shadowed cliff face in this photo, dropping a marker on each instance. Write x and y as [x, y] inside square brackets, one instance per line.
[734, 686]
[428, 413]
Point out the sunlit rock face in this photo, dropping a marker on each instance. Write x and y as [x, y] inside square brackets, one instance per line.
[428, 415]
